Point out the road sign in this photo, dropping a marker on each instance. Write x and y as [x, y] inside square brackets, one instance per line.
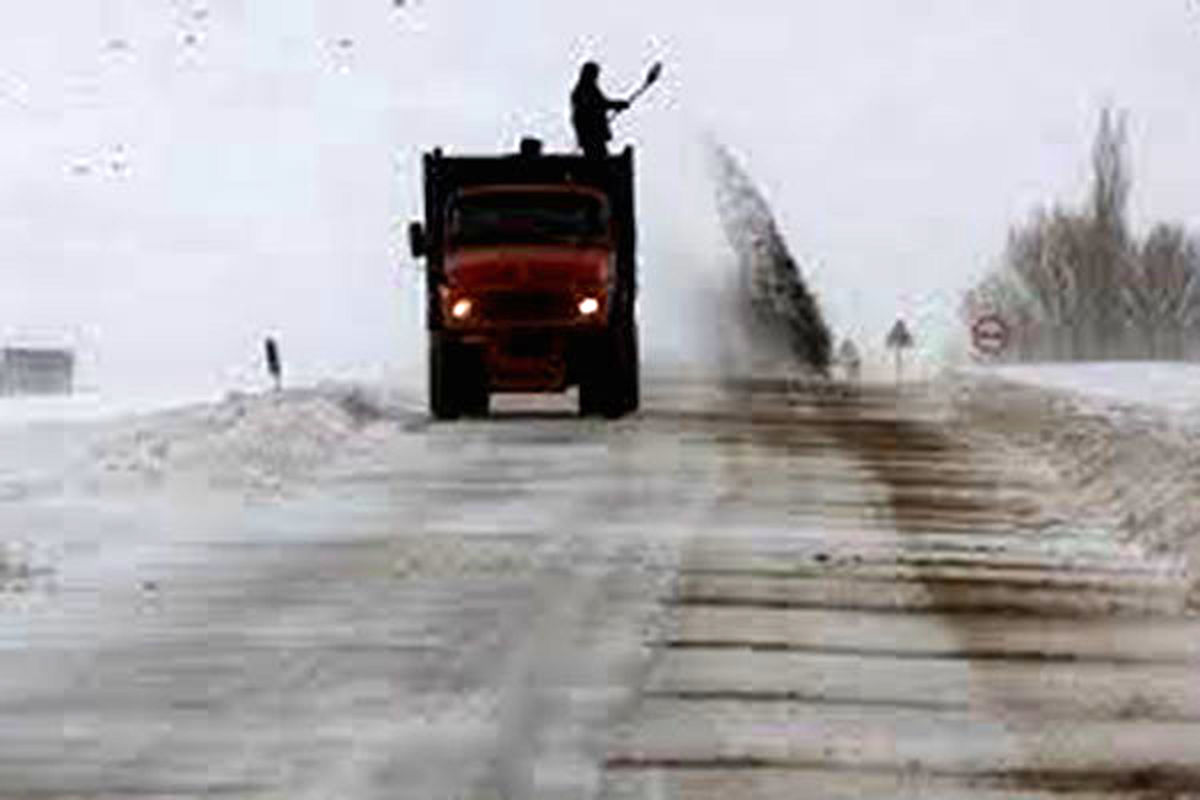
[899, 339]
[850, 360]
[990, 334]
[899, 336]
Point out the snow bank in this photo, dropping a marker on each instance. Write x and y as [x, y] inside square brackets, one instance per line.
[1123, 441]
[73, 475]
[1169, 388]
[262, 442]
[248, 442]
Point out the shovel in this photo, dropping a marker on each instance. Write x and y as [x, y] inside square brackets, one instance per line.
[651, 78]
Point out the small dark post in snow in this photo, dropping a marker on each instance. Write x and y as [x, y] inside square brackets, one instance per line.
[274, 367]
[899, 339]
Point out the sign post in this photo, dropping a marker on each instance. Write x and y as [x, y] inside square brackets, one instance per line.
[899, 340]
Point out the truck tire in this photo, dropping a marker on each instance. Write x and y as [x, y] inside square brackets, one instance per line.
[475, 400]
[591, 399]
[608, 384]
[457, 381]
[443, 395]
[630, 372]
[594, 385]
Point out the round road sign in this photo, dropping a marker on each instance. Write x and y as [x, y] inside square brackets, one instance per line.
[990, 334]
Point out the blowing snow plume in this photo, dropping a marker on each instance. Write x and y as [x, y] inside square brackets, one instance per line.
[781, 313]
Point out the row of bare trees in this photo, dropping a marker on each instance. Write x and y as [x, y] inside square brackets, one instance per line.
[1076, 284]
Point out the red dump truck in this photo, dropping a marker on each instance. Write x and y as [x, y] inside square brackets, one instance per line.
[530, 276]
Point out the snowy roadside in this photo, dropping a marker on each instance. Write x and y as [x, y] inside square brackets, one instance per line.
[1121, 443]
[1164, 392]
[253, 442]
[69, 464]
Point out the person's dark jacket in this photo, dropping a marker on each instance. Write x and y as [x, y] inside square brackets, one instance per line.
[589, 113]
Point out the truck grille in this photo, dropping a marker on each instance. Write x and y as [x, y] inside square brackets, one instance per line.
[528, 307]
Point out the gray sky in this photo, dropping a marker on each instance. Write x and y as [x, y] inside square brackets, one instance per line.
[186, 176]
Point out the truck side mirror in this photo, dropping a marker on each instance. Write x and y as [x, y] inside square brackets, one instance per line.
[416, 239]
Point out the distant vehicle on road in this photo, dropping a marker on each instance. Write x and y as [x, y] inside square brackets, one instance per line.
[530, 276]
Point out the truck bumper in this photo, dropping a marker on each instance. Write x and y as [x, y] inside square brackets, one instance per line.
[533, 359]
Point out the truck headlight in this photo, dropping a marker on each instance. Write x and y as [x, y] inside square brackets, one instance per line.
[461, 308]
[589, 306]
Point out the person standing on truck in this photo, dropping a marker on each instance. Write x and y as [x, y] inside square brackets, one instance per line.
[589, 112]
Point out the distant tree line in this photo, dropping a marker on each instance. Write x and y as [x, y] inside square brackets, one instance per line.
[1076, 284]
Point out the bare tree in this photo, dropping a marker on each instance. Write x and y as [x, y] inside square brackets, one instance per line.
[1044, 257]
[1111, 180]
[1163, 292]
[1078, 285]
[1106, 256]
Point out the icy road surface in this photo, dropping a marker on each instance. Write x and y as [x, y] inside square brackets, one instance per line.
[742, 591]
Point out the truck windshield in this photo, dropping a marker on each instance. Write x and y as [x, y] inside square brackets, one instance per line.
[528, 218]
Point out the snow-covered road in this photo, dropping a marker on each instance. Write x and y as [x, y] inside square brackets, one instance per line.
[319, 594]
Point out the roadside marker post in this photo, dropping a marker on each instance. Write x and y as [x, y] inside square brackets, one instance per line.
[274, 365]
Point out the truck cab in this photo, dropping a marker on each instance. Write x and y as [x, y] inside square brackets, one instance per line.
[530, 279]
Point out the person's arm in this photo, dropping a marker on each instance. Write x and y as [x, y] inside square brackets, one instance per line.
[614, 105]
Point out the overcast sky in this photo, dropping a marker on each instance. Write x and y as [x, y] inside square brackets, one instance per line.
[181, 178]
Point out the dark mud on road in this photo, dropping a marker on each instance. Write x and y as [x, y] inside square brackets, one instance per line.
[1064, 673]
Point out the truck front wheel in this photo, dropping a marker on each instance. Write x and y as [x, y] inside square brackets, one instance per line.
[475, 400]
[608, 384]
[443, 397]
[629, 372]
[457, 380]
